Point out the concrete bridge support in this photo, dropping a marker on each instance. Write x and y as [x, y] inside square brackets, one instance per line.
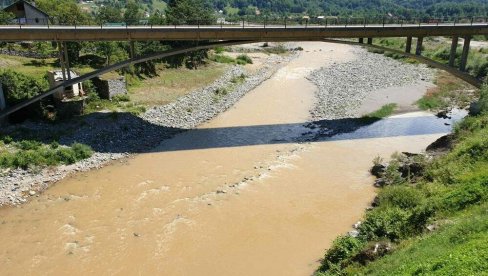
[361, 40]
[420, 42]
[464, 57]
[408, 46]
[61, 60]
[370, 40]
[3, 105]
[452, 55]
[66, 60]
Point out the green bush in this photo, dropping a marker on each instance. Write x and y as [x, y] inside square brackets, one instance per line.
[121, 98]
[342, 250]
[483, 101]
[19, 87]
[222, 59]
[32, 154]
[245, 59]
[404, 197]
[390, 223]
[471, 193]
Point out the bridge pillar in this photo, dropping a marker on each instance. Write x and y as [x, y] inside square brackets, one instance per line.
[3, 104]
[420, 41]
[66, 60]
[464, 57]
[408, 46]
[361, 40]
[61, 60]
[132, 51]
[452, 55]
[370, 40]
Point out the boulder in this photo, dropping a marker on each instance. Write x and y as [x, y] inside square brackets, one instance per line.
[378, 170]
[474, 109]
[373, 252]
[444, 143]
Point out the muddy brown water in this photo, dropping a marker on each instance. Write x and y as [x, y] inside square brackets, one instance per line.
[235, 197]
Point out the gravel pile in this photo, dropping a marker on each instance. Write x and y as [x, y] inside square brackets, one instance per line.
[116, 135]
[343, 87]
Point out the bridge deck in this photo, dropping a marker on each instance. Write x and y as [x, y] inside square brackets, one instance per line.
[259, 33]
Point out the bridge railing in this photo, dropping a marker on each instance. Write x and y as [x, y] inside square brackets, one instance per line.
[268, 21]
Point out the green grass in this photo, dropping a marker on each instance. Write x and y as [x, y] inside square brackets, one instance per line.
[172, 83]
[438, 49]
[449, 92]
[450, 193]
[29, 153]
[381, 113]
[459, 248]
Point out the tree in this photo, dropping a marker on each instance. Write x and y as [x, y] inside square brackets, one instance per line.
[132, 14]
[188, 12]
[112, 51]
[64, 11]
[5, 17]
[157, 18]
[181, 12]
[44, 49]
[108, 14]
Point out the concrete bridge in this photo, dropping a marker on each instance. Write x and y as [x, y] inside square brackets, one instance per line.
[242, 34]
[235, 32]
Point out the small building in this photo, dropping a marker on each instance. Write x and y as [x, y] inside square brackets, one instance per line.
[56, 78]
[26, 13]
[71, 101]
[109, 86]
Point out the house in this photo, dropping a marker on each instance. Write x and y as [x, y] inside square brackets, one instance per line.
[56, 78]
[26, 13]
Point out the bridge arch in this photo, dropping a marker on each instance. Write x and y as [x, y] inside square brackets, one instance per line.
[457, 73]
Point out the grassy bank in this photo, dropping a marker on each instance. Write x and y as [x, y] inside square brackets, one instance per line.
[32, 154]
[430, 216]
[438, 49]
[448, 93]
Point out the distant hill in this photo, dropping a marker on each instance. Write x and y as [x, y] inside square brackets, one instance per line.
[364, 7]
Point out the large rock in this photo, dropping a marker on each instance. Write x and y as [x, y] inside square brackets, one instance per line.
[442, 144]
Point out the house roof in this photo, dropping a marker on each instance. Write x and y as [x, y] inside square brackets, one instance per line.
[25, 3]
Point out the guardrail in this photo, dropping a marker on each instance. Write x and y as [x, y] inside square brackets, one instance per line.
[264, 22]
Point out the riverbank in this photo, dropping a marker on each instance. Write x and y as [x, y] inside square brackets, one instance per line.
[430, 211]
[115, 135]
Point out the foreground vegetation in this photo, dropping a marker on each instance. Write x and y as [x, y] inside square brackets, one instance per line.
[430, 216]
[32, 154]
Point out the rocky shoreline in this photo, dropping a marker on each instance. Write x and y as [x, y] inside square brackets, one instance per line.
[343, 87]
[117, 135]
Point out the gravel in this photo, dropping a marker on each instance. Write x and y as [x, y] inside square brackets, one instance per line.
[343, 87]
[117, 135]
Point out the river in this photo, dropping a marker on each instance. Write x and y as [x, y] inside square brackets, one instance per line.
[237, 196]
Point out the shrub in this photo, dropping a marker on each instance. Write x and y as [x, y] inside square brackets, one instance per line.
[483, 102]
[403, 197]
[222, 59]
[219, 50]
[28, 145]
[342, 250]
[467, 195]
[244, 58]
[392, 173]
[121, 98]
[18, 87]
[81, 151]
[390, 223]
